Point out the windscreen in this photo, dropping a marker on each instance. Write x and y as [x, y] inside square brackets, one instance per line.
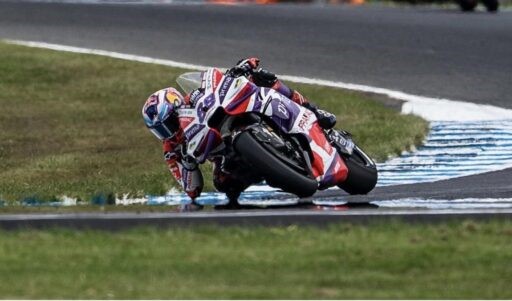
[189, 81]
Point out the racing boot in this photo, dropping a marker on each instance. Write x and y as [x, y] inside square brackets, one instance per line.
[225, 182]
[232, 201]
[228, 180]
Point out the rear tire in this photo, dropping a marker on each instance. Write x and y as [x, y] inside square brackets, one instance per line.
[362, 173]
[275, 171]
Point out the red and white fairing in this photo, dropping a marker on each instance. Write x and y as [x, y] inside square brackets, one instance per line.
[239, 95]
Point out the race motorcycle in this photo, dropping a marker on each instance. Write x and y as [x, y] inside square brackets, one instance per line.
[262, 135]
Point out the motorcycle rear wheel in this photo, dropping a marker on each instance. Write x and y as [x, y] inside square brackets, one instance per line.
[275, 171]
[362, 173]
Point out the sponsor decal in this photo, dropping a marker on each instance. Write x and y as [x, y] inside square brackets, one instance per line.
[224, 88]
[342, 142]
[304, 119]
[195, 96]
[209, 79]
[282, 110]
[196, 128]
[187, 113]
[186, 179]
[237, 83]
[192, 145]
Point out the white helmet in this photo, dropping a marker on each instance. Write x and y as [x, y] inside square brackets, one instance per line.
[160, 113]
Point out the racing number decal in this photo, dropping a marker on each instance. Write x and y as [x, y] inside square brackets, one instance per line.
[281, 108]
[204, 106]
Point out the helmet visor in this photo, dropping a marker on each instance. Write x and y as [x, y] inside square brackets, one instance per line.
[167, 129]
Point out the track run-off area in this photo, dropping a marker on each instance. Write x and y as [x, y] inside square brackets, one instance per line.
[449, 173]
[477, 139]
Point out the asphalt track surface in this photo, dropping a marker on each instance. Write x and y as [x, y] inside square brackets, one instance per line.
[426, 51]
[120, 221]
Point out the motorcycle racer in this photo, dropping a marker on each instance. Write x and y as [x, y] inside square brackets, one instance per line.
[160, 113]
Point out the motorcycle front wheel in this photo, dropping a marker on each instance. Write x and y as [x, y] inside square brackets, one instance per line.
[276, 171]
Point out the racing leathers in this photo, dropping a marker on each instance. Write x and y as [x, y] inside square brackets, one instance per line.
[185, 170]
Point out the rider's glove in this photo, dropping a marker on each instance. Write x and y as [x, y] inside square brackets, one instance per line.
[244, 67]
[326, 120]
[263, 78]
[252, 62]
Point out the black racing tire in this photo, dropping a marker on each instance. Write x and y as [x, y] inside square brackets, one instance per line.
[491, 5]
[467, 5]
[362, 173]
[275, 172]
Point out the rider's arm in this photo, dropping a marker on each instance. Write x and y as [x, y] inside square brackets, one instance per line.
[294, 95]
[184, 170]
[263, 78]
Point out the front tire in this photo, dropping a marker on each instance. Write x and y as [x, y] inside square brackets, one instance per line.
[274, 170]
[362, 173]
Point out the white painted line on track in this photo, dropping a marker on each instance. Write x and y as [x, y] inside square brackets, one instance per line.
[457, 135]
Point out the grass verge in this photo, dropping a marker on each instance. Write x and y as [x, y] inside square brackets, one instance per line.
[458, 260]
[71, 125]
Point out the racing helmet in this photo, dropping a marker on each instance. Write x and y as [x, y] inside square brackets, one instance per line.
[160, 113]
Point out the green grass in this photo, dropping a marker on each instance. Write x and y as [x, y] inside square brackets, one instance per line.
[71, 125]
[462, 260]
